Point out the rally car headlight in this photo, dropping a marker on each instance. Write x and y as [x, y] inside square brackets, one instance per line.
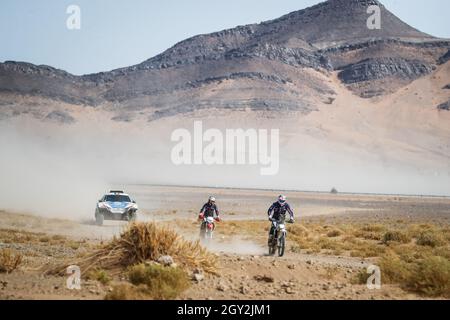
[102, 205]
[131, 206]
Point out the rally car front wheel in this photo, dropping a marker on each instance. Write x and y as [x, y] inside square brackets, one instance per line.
[99, 218]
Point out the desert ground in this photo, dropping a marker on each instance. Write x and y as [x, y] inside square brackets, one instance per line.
[335, 238]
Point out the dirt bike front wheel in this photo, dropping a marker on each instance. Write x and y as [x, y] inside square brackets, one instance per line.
[281, 245]
[272, 250]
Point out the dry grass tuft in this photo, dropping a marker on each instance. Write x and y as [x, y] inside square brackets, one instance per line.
[142, 242]
[9, 260]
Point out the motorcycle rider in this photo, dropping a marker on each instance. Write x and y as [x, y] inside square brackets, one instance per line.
[276, 212]
[209, 209]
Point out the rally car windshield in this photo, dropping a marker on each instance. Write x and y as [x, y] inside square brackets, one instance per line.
[117, 198]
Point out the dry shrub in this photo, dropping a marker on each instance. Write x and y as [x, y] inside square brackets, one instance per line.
[442, 252]
[44, 239]
[415, 229]
[9, 260]
[394, 269]
[370, 232]
[162, 282]
[430, 239]
[334, 233]
[378, 236]
[395, 236]
[361, 277]
[142, 242]
[327, 244]
[430, 277]
[410, 252]
[446, 234]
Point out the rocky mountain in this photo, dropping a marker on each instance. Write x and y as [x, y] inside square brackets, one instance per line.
[282, 65]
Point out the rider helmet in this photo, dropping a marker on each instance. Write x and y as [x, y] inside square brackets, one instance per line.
[282, 200]
[212, 199]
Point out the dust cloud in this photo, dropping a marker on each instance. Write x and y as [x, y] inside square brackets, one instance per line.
[61, 171]
[57, 171]
[237, 246]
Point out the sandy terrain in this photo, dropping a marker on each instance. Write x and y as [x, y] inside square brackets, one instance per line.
[246, 272]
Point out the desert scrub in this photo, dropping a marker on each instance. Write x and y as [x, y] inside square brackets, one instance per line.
[394, 269]
[430, 239]
[9, 260]
[44, 239]
[161, 282]
[367, 235]
[334, 233]
[415, 229]
[361, 277]
[74, 245]
[428, 275]
[365, 250]
[126, 291]
[298, 230]
[395, 236]
[19, 236]
[327, 244]
[370, 232]
[143, 242]
[99, 275]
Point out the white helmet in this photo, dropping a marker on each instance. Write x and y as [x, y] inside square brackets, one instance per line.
[212, 199]
[282, 200]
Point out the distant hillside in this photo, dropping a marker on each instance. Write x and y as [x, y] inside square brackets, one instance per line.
[282, 65]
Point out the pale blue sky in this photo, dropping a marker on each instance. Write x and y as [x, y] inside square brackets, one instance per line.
[121, 33]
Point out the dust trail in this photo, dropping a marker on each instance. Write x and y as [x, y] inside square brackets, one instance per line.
[237, 246]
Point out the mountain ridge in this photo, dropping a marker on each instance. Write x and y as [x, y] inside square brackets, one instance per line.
[291, 57]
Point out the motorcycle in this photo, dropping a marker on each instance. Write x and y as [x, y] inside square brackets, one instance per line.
[279, 238]
[207, 227]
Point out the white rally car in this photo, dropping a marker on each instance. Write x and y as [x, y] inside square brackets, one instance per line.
[116, 205]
